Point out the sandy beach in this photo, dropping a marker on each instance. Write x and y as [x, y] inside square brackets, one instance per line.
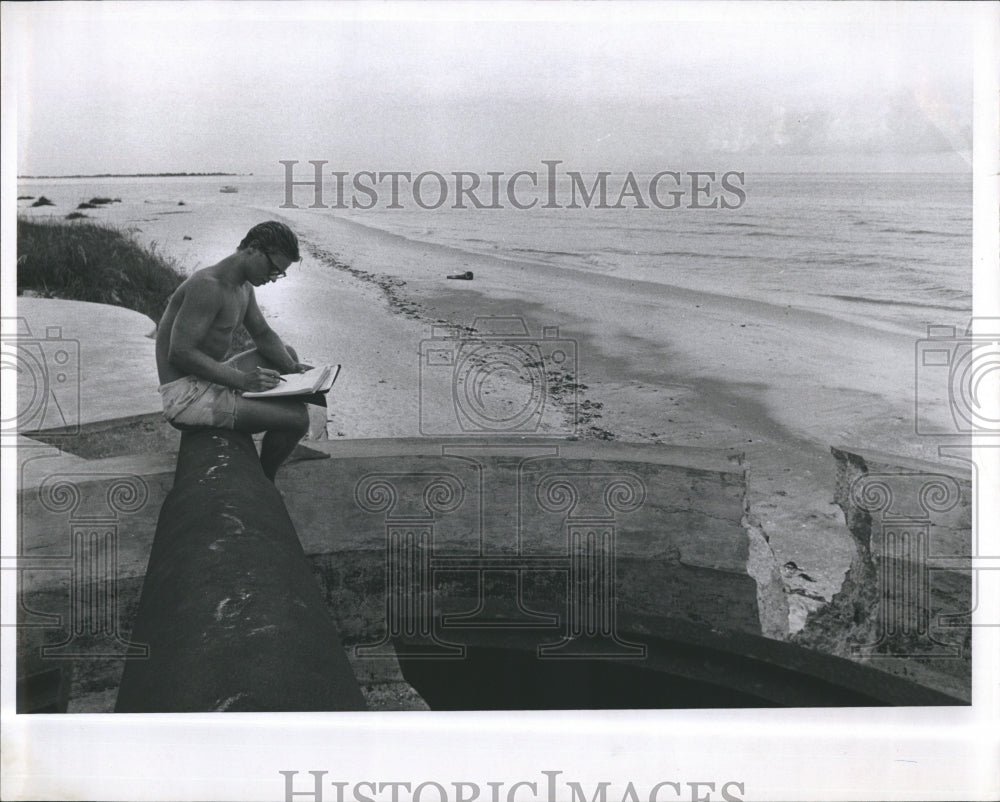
[655, 364]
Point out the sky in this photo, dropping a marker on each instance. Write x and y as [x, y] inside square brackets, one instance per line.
[163, 87]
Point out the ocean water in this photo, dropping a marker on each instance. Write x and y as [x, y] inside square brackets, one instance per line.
[895, 249]
[891, 250]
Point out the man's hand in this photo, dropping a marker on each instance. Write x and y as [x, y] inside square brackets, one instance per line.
[260, 379]
[302, 367]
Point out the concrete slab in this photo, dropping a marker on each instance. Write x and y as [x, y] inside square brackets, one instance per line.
[906, 602]
[874, 488]
[60, 502]
[705, 459]
[80, 362]
[671, 523]
[55, 459]
[134, 435]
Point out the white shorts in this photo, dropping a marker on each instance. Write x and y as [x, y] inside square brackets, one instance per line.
[190, 401]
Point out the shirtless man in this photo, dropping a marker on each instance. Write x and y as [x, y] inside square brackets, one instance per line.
[197, 387]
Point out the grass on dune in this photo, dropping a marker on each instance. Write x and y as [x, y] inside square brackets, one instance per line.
[91, 262]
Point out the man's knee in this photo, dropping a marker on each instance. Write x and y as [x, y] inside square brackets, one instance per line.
[294, 420]
[292, 353]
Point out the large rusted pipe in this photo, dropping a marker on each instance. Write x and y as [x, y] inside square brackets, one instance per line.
[230, 609]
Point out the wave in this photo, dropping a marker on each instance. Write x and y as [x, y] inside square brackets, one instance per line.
[774, 234]
[543, 252]
[961, 303]
[710, 256]
[922, 232]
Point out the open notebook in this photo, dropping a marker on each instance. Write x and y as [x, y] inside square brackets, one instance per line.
[316, 380]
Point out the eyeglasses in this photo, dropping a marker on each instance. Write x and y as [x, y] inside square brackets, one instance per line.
[275, 273]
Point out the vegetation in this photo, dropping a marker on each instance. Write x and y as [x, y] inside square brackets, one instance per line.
[43, 201]
[90, 262]
[76, 215]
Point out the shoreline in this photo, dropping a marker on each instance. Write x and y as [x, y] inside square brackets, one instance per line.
[611, 280]
[496, 291]
[657, 364]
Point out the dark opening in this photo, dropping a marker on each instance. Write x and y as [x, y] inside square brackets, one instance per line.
[703, 670]
[505, 679]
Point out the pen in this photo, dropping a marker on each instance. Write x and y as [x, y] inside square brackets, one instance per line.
[282, 379]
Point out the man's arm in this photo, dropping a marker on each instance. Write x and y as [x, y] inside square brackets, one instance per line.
[194, 319]
[269, 344]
